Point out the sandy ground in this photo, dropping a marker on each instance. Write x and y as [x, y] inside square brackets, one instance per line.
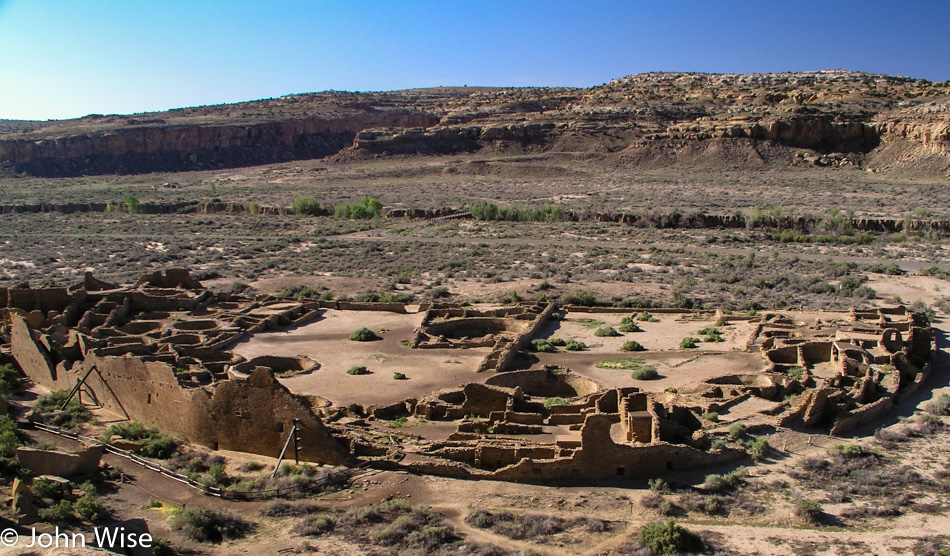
[327, 342]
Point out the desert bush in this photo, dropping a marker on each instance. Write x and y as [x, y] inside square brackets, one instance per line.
[645, 317]
[559, 342]
[553, 401]
[606, 331]
[542, 346]
[10, 439]
[847, 450]
[575, 345]
[809, 510]
[510, 298]
[399, 376]
[583, 298]
[627, 324]
[668, 538]
[516, 526]
[73, 414]
[689, 342]
[796, 373]
[737, 430]
[357, 370]
[363, 335]
[645, 373]
[132, 204]
[9, 380]
[632, 345]
[283, 508]
[207, 525]
[313, 526]
[711, 416]
[58, 512]
[939, 406]
[758, 449]
[365, 209]
[717, 444]
[47, 490]
[726, 481]
[659, 486]
[713, 338]
[90, 507]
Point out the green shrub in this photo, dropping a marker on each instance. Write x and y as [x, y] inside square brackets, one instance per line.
[737, 430]
[709, 330]
[58, 512]
[671, 390]
[47, 490]
[646, 317]
[510, 298]
[542, 346]
[809, 510]
[90, 507]
[363, 335]
[366, 209]
[606, 331]
[575, 345]
[645, 373]
[399, 376]
[630, 327]
[713, 338]
[659, 486]
[711, 416]
[133, 204]
[847, 451]
[207, 525]
[668, 538]
[357, 370]
[159, 446]
[74, 412]
[718, 445]
[689, 342]
[551, 402]
[758, 449]
[9, 380]
[731, 480]
[559, 342]
[796, 373]
[582, 298]
[631, 345]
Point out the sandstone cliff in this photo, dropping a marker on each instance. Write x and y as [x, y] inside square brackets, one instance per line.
[830, 117]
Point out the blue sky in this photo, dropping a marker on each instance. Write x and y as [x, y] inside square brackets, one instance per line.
[69, 58]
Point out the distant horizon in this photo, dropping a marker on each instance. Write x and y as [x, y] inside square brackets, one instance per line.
[70, 59]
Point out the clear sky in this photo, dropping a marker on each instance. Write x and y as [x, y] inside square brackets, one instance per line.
[69, 58]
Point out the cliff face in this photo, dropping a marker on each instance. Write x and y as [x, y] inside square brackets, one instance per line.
[150, 149]
[828, 117]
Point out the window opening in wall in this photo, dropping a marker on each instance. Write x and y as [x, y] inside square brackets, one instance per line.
[149, 399]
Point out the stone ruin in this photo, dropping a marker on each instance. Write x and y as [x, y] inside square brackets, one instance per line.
[157, 352]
